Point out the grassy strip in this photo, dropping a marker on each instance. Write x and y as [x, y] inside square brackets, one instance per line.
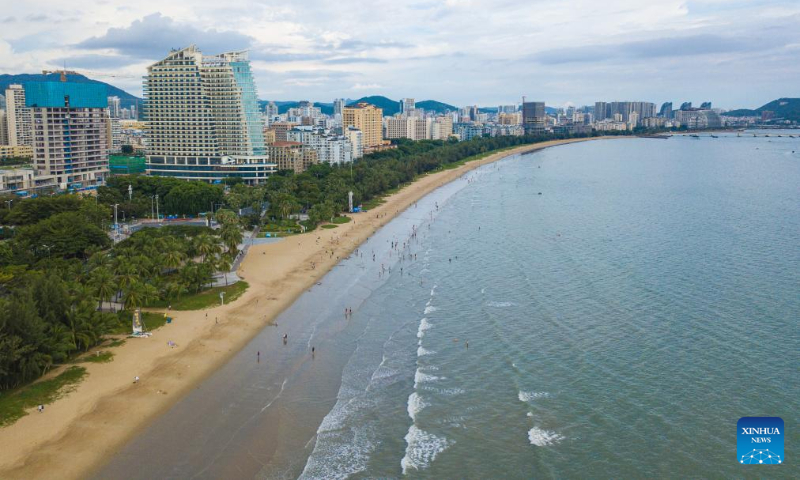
[14, 403]
[97, 357]
[205, 299]
[340, 220]
[152, 320]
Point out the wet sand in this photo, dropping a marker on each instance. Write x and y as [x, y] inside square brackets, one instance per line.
[81, 432]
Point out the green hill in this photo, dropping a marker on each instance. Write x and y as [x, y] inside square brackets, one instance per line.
[434, 106]
[389, 106]
[785, 108]
[126, 99]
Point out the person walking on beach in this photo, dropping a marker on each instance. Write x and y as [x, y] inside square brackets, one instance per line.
[135, 379]
[258, 357]
[40, 408]
[285, 338]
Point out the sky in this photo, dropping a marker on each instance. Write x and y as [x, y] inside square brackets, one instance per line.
[735, 53]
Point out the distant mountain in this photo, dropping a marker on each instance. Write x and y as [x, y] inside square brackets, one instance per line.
[785, 108]
[126, 99]
[283, 106]
[434, 106]
[389, 106]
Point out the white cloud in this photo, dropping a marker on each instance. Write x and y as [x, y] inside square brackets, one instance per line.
[457, 51]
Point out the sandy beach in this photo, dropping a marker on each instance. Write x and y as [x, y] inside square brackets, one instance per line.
[80, 431]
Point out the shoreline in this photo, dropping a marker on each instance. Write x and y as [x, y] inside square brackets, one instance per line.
[80, 432]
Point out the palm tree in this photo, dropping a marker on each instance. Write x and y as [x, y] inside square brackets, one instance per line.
[138, 294]
[127, 273]
[231, 236]
[205, 245]
[172, 291]
[172, 258]
[104, 284]
[224, 263]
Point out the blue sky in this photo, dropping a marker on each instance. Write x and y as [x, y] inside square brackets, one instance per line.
[733, 53]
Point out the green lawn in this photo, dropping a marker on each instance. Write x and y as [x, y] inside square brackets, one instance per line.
[152, 320]
[205, 299]
[273, 234]
[94, 357]
[14, 402]
[341, 220]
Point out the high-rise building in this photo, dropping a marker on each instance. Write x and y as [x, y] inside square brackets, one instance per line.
[331, 149]
[367, 118]
[705, 106]
[514, 118]
[506, 109]
[396, 127]
[2, 102]
[3, 127]
[686, 106]
[114, 107]
[407, 106]
[271, 110]
[633, 119]
[602, 110]
[666, 110]
[414, 128]
[18, 117]
[114, 130]
[292, 156]
[697, 118]
[442, 128]
[356, 139]
[534, 118]
[203, 121]
[338, 106]
[70, 132]
[280, 129]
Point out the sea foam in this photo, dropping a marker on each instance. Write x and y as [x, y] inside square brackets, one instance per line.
[415, 405]
[421, 377]
[500, 304]
[422, 351]
[422, 449]
[542, 438]
[530, 396]
[429, 309]
[423, 326]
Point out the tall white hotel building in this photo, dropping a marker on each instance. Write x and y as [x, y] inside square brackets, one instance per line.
[202, 118]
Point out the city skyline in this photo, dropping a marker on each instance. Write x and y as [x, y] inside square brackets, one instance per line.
[476, 54]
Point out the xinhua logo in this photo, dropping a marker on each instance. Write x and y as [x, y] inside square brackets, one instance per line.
[759, 441]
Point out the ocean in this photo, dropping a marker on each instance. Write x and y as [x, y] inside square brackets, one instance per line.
[595, 310]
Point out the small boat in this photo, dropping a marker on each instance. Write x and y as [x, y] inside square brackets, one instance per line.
[714, 136]
[694, 136]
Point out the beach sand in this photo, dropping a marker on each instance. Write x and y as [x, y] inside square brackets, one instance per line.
[81, 431]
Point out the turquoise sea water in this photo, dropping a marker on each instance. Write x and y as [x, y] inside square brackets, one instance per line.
[625, 302]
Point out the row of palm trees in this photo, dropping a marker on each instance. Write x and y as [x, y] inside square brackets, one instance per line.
[146, 268]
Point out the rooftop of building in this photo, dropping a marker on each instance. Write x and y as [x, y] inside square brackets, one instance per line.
[55, 94]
